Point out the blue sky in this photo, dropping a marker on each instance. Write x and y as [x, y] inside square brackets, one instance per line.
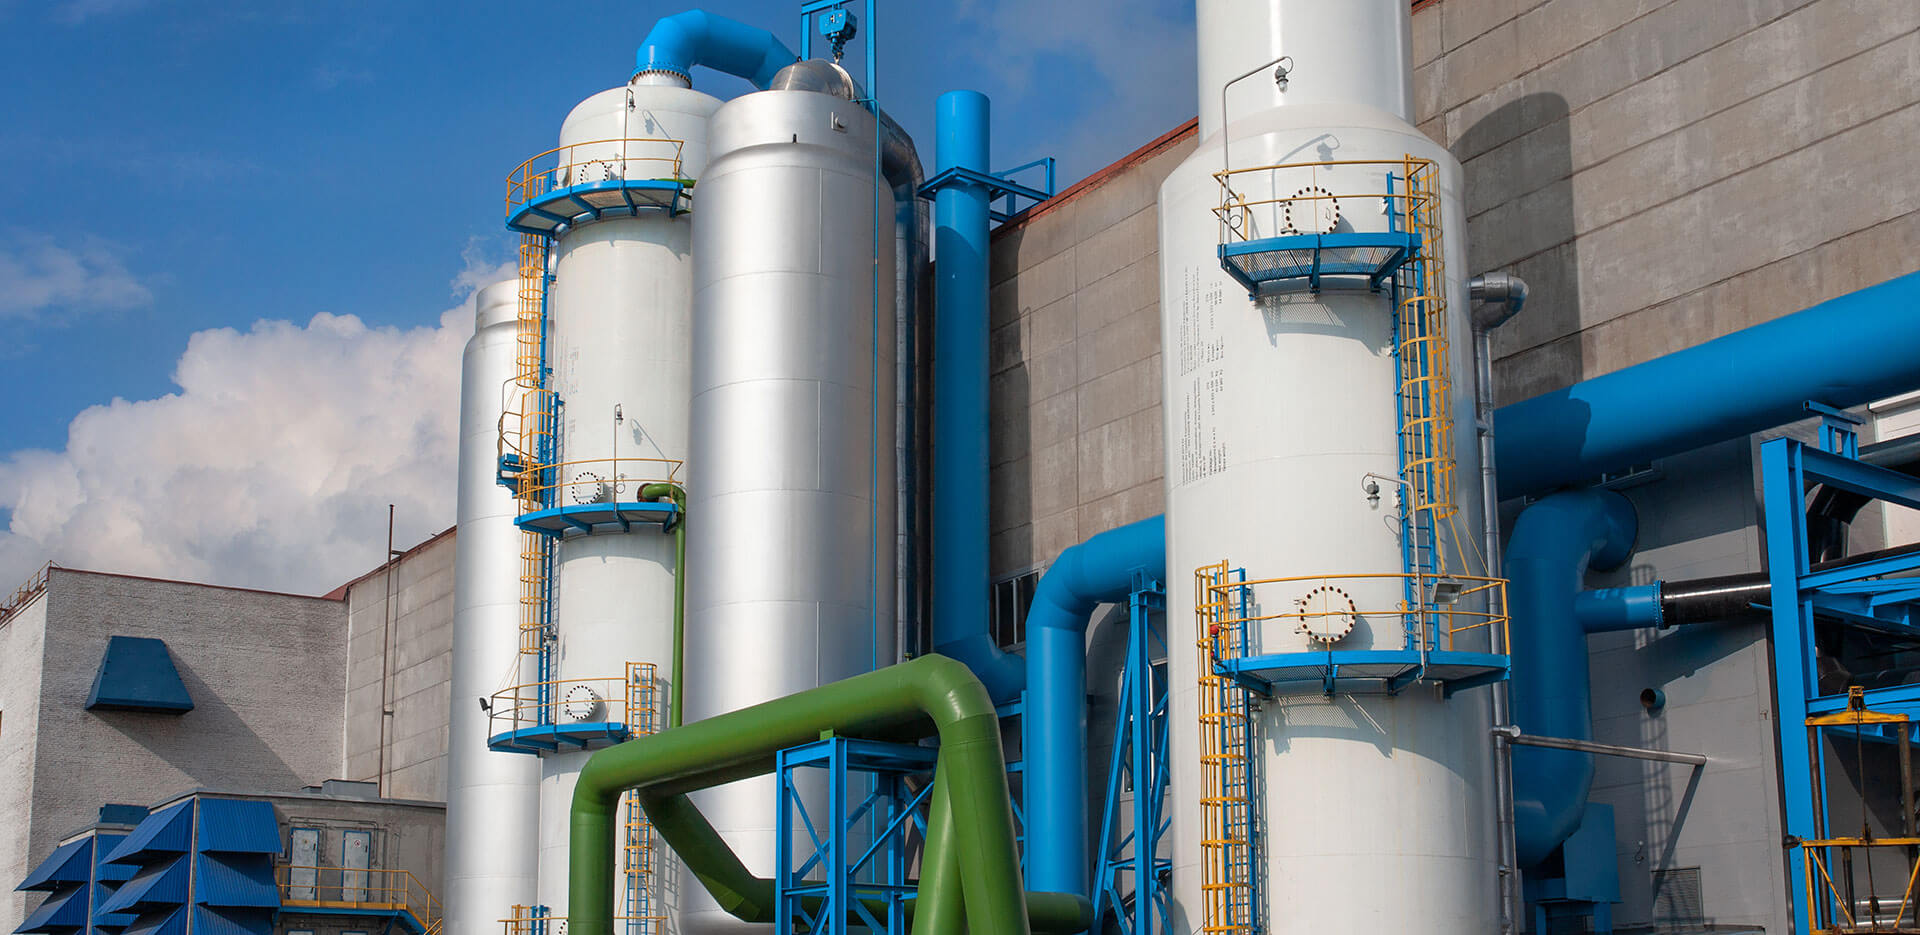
[172, 169]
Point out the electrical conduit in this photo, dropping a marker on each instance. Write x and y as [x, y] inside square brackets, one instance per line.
[897, 703]
[1554, 543]
[1097, 571]
[679, 42]
[961, 615]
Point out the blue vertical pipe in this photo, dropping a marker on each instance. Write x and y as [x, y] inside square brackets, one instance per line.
[961, 618]
[1554, 543]
[1054, 747]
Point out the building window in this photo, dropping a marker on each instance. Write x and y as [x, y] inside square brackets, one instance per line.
[1011, 598]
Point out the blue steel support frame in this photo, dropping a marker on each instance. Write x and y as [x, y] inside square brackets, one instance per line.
[1787, 468]
[845, 880]
[1139, 754]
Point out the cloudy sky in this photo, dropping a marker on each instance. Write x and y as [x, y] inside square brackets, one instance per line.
[238, 239]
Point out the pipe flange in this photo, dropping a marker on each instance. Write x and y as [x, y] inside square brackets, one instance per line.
[582, 704]
[1313, 210]
[1327, 614]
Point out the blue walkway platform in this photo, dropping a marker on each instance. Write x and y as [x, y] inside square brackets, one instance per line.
[1312, 257]
[561, 208]
[599, 517]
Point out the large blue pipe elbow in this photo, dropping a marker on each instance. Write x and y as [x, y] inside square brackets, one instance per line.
[960, 589]
[696, 37]
[1554, 542]
[1846, 352]
[1097, 571]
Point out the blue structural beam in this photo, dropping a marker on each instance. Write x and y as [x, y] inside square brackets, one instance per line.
[960, 587]
[679, 42]
[1846, 352]
[1098, 571]
[1554, 543]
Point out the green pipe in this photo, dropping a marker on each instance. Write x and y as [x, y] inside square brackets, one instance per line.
[896, 703]
[940, 911]
[679, 495]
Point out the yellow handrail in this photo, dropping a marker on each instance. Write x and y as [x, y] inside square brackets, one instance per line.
[1827, 903]
[522, 923]
[630, 701]
[371, 889]
[1458, 617]
[595, 480]
[566, 166]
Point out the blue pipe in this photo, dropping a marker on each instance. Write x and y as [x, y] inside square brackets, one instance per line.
[960, 587]
[1553, 544]
[696, 37]
[1054, 746]
[1604, 610]
[1845, 352]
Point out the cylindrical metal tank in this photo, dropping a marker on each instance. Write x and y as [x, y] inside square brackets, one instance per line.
[492, 798]
[1374, 810]
[791, 491]
[619, 340]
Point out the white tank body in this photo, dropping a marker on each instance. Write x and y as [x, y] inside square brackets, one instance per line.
[1374, 811]
[619, 329]
[492, 797]
[791, 491]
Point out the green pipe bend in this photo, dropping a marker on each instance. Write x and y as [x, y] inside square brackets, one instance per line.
[897, 703]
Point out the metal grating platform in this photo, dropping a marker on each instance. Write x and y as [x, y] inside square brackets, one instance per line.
[1363, 671]
[547, 738]
[1313, 257]
[592, 517]
[555, 211]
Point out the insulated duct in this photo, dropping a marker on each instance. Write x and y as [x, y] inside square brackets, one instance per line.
[677, 43]
[961, 616]
[1554, 543]
[1098, 571]
[1844, 352]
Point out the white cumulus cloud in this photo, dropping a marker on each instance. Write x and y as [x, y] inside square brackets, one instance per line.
[37, 273]
[270, 467]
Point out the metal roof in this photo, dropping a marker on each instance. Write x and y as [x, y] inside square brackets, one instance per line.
[68, 864]
[238, 827]
[168, 831]
[235, 880]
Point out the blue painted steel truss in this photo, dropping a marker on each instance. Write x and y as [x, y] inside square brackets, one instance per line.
[998, 187]
[1854, 595]
[857, 864]
[1128, 895]
[1313, 257]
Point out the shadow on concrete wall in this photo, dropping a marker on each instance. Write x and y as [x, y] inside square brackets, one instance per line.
[211, 744]
[1519, 195]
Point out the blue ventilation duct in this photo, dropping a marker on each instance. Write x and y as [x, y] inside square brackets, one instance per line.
[1554, 543]
[960, 588]
[1101, 570]
[679, 42]
[1846, 352]
[137, 674]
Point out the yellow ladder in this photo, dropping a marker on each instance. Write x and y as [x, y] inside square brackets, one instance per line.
[1426, 408]
[1226, 792]
[532, 430]
[643, 717]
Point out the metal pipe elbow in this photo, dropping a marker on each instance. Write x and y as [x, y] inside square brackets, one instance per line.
[1554, 543]
[1497, 298]
[679, 42]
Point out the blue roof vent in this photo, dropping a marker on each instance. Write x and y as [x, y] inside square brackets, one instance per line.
[137, 674]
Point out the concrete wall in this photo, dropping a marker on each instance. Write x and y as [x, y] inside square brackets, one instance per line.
[1700, 520]
[1075, 356]
[418, 656]
[1667, 171]
[406, 836]
[22, 648]
[264, 671]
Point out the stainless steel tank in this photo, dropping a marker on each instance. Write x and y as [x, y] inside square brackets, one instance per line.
[791, 514]
[492, 798]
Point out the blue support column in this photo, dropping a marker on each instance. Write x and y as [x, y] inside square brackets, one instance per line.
[1139, 753]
